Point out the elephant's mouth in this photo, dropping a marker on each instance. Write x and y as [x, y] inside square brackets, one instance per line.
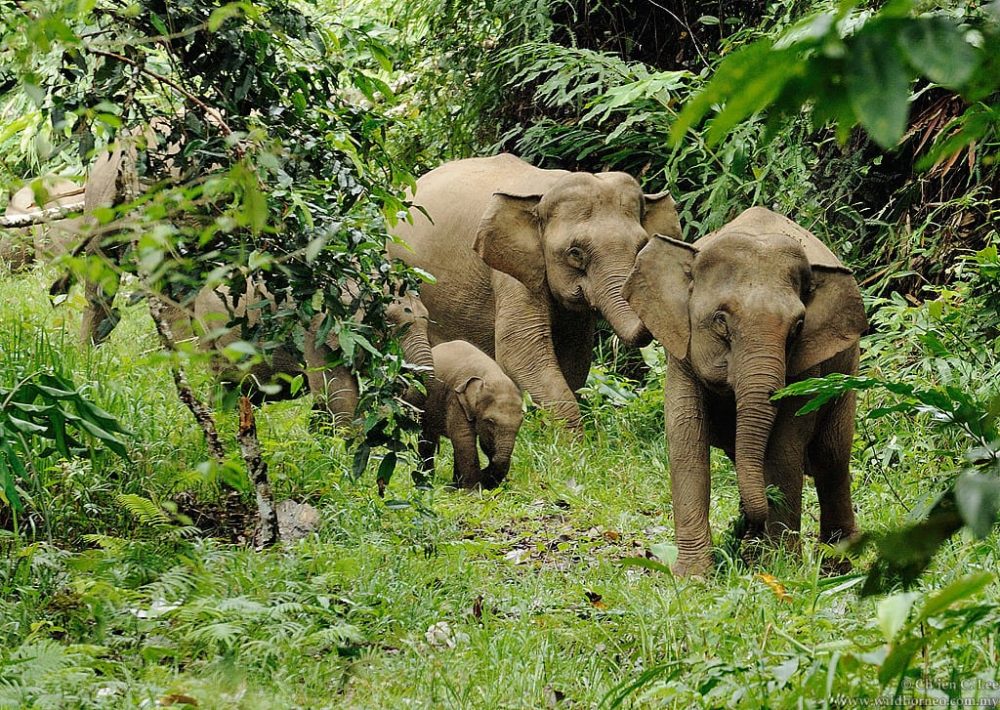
[577, 301]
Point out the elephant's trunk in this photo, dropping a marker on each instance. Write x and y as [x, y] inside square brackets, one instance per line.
[760, 373]
[619, 314]
[499, 465]
[417, 351]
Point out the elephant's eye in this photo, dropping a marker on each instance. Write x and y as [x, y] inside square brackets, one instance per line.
[576, 257]
[720, 324]
[796, 330]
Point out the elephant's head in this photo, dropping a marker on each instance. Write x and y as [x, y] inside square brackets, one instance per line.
[578, 241]
[410, 319]
[495, 407]
[747, 307]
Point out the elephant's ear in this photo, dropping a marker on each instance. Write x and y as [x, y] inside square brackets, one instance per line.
[658, 289]
[509, 238]
[104, 187]
[835, 318]
[659, 215]
[468, 396]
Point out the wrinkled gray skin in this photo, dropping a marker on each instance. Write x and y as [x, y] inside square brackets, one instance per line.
[526, 260]
[469, 399]
[741, 312]
[334, 387]
[21, 246]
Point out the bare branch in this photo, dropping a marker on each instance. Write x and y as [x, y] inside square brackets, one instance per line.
[267, 518]
[213, 112]
[49, 214]
[202, 414]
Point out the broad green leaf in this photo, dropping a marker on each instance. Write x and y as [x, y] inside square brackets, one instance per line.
[728, 80]
[759, 88]
[665, 552]
[958, 590]
[386, 468]
[106, 438]
[24, 426]
[361, 457]
[978, 499]
[898, 660]
[878, 85]
[8, 487]
[784, 671]
[892, 613]
[936, 47]
[221, 14]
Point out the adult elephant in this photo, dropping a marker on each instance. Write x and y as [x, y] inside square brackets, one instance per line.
[524, 262]
[333, 384]
[45, 238]
[741, 312]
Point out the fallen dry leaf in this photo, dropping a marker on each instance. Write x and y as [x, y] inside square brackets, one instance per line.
[776, 586]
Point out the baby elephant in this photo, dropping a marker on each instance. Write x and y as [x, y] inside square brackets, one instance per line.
[470, 397]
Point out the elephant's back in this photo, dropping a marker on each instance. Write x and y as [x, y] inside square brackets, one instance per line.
[456, 361]
[449, 202]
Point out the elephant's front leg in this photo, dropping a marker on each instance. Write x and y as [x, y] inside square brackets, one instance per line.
[784, 470]
[334, 387]
[690, 482]
[526, 352]
[462, 434]
[427, 449]
[573, 336]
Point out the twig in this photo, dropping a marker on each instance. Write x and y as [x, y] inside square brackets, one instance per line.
[201, 413]
[214, 113]
[49, 214]
[267, 518]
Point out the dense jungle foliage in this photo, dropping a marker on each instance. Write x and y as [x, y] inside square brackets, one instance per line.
[286, 134]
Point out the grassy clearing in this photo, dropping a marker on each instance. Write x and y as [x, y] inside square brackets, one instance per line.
[512, 598]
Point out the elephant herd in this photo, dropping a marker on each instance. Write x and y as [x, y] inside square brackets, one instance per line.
[526, 260]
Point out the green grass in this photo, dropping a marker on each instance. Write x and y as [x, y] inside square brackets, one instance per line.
[98, 610]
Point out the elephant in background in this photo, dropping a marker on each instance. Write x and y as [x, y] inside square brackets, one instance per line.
[334, 387]
[525, 260]
[47, 239]
[469, 398]
[741, 312]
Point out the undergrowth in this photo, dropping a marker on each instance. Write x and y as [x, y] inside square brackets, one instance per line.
[516, 598]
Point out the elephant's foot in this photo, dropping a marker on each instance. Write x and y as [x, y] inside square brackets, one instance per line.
[323, 421]
[468, 481]
[834, 565]
[782, 537]
[697, 565]
[835, 562]
[492, 478]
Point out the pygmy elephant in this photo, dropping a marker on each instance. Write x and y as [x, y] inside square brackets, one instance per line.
[469, 398]
[334, 387]
[741, 312]
[49, 238]
[526, 259]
